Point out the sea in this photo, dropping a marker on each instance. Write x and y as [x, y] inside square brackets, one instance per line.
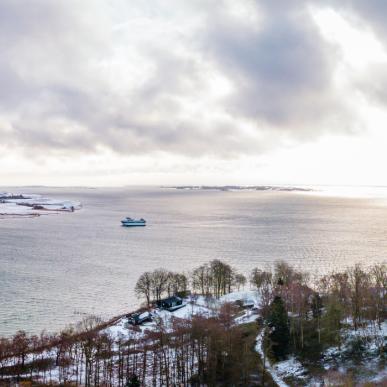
[57, 269]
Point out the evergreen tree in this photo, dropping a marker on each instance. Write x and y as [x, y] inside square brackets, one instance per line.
[278, 335]
[332, 321]
[133, 381]
[316, 306]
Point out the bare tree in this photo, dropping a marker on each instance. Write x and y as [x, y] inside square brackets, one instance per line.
[177, 283]
[239, 280]
[263, 282]
[201, 279]
[359, 285]
[160, 279]
[144, 286]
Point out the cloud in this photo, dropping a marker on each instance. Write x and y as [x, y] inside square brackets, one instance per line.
[368, 17]
[282, 71]
[195, 78]
[370, 12]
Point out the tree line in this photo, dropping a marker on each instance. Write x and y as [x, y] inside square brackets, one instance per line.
[215, 278]
[203, 350]
[299, 314]
[305, 316]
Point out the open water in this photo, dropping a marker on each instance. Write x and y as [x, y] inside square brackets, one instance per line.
[57, 268]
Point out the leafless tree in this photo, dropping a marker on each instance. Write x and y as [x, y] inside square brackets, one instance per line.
[144, 286]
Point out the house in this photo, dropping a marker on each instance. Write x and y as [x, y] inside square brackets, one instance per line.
[171, 303]
[248, 303]
[139, 318]
[245, 303]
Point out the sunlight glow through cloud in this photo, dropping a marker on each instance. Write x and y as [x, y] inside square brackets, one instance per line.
[359, 46]
[212, 92]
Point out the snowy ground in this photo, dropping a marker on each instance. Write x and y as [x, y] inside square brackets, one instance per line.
[12, 206]
[199, 305]
[121, 326]
[335, 359]
[370, 364]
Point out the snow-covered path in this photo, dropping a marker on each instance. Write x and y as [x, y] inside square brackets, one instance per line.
[272, 371]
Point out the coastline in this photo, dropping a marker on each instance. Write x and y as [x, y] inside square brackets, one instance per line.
[33, 205]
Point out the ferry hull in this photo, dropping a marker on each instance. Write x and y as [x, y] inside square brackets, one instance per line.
[133, 224]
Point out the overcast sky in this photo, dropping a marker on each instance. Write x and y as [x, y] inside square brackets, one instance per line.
[99, 92]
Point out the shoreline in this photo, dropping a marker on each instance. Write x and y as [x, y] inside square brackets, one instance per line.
[33, 205]
[272, 188]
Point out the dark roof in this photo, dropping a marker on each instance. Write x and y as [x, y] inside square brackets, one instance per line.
[170, 299]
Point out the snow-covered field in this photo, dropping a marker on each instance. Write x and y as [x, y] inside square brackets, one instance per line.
[33, 205]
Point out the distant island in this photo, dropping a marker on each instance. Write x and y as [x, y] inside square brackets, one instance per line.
[12, 205]
[242, 188]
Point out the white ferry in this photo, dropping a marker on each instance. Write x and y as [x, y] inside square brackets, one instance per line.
[129, 222]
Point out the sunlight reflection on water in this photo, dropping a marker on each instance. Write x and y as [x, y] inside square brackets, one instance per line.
[55, 269]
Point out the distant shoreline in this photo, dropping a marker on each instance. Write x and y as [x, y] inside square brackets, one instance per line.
[241, 188]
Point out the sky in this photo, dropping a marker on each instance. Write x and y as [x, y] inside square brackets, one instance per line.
[163, 92]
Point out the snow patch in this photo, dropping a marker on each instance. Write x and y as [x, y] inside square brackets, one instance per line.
[290, 367]
[30, 205]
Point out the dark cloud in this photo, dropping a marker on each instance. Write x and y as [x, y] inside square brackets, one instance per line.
[372, 13]
[282, 71]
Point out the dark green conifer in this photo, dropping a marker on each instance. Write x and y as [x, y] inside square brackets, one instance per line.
[278, 335]
[316, 305]
[133, 381]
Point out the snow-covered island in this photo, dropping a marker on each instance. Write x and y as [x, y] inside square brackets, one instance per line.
[31, 205]
[242, 188]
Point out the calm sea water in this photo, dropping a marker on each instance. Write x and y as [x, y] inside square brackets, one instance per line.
[55, 269]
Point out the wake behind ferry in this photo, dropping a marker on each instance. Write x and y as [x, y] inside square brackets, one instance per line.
[129, 222]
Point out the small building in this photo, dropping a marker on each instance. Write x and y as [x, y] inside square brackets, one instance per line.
[171, 303]
[245, 303]
[139, 318]
[248, 303]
